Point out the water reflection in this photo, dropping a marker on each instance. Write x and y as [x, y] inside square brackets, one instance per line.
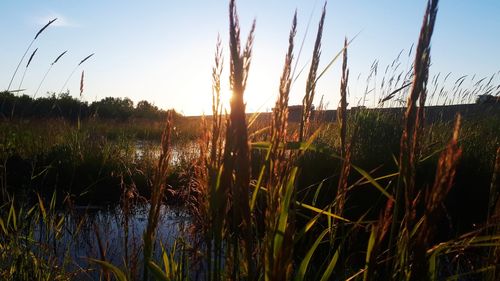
[89, 232]
[180, 152]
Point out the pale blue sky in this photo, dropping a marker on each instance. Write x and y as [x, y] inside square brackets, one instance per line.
[162, 51]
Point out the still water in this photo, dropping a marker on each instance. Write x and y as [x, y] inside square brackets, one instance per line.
[118, 233]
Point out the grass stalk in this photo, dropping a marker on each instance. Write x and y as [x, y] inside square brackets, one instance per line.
[494, 218]
[345, 149]
[74, 70]
[434, 199]
[27, 49]
[47, 72]
[26, 69]
[277, 256]
[235, 177]
[307, 102]
[216, 196]
[157, 192]
[413, 122]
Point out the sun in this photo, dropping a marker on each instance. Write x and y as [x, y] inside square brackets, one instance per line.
[225, 99]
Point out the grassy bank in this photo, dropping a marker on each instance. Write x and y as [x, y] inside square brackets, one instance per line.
[92, 163]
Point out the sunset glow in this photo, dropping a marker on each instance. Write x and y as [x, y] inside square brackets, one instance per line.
[163, 52]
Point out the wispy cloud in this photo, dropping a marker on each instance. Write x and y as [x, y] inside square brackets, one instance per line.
[62, 21]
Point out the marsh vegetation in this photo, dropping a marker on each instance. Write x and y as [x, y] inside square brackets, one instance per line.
[109, 191]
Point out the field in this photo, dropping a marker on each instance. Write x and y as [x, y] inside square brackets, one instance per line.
[113, 191]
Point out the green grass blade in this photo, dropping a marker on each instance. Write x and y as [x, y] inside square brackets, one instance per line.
[157, 272]
[118, 273]
[257, 185]
[331, 266]
[320, 211]
[316, 194]
[42, 208]
[166, 261]
[373, 182]
[3, 226]
[433, 267]
[335, 58]
[260, 145]
[369, 249]
[307, 259]
[13, 215]
[305, 146]
[53, 201]
[283, 217]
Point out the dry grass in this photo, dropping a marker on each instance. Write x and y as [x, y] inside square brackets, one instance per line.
[434, 199]
[409, 152]
[279, 121]
[345, 149]
[235, 177]
[158, 188]
[277, 259]
[307, 102]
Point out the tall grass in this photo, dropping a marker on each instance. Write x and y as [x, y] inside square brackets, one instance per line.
[27, 49]
[235, 176]
[215, 196]
[74, 70]
[158, 188]
[307, 102]
[409, 154]
[277, 256]
[26, 69]
[494, 220]
[47, 72]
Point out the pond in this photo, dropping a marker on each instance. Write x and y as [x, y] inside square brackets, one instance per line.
[88, 231]
[180, 152]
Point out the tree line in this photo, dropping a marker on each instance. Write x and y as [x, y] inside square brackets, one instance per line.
[68, 107]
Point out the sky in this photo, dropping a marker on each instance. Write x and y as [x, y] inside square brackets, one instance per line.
[163, 51]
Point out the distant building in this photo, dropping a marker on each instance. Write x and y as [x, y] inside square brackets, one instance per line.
[482, 99]
[358, 108]
[295, 112]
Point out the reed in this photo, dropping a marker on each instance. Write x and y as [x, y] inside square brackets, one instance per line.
[27, 49]
[379, 231]
[434, 199]
[235, 177]
[345, 149]
[157, 193]
[307, 102]
[74, 70]
[280, 111]
[216, 197]
[277, 257]
[47, 72]
[217, 125]
[26, 68]
[409, 149]
[342, 110]
[22, 79]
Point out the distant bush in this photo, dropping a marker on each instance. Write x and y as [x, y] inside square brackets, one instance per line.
[70, 108]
